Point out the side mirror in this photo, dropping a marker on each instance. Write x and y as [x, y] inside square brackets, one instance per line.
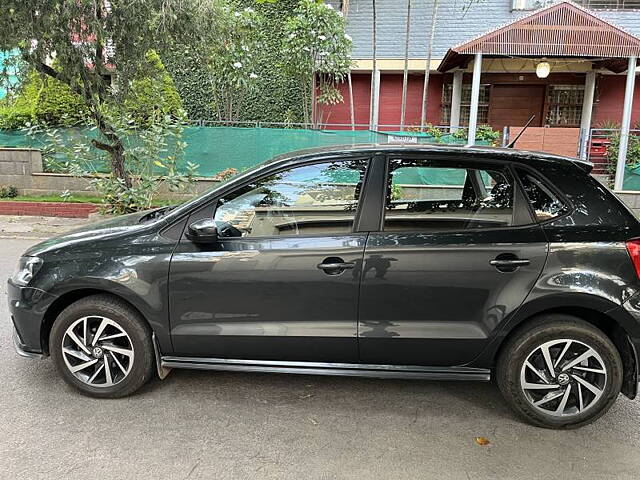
[203, 231]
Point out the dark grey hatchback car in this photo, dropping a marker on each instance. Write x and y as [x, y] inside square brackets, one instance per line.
[424, 262]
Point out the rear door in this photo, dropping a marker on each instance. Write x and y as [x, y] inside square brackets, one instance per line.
[457, 253]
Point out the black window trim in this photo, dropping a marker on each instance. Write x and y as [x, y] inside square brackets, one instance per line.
[483, 162]
[547, 183]
[208, 208]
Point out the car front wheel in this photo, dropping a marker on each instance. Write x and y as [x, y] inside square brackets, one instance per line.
[102, 347]
[560, 372]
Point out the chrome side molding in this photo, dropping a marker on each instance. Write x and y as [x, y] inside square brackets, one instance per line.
[319, 368]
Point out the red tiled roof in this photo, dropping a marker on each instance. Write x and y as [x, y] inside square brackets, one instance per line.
[561, 30]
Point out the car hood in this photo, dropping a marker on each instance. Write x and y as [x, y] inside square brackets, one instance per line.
[110, 228]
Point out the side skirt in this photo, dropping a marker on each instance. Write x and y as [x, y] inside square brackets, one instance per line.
[319, 368]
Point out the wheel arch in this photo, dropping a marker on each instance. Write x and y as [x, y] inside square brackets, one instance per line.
[70, 297]
[605, 321]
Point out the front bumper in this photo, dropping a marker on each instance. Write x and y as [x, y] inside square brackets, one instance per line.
[27, 306]
[21, 348]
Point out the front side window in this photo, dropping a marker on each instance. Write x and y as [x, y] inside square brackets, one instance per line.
[432, 197]
[544, 202]
[313, 199]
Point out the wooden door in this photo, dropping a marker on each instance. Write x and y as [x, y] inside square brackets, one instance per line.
[514, 105]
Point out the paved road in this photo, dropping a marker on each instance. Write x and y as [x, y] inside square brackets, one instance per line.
[203, 425]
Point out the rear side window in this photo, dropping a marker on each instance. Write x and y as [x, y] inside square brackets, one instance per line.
[434, 197]
[545, 204]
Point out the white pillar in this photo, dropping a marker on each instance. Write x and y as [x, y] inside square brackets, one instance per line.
[475, 99]
[456, 100]
[626, 123]
[587, 111]
[375, 101]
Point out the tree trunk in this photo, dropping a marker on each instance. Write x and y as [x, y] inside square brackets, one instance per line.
[374, 66]
[351, 110]
[115, 148]
[117, 164]
[405, 76]
[427, 68]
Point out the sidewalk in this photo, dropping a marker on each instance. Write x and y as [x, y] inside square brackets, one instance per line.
[17, 226]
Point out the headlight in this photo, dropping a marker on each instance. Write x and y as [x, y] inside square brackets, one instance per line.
[27, 268]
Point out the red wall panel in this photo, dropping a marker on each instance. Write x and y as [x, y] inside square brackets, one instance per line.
[610, 100]
[391, 99]
[339, 114]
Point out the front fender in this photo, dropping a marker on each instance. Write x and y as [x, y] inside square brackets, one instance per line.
[135, 270]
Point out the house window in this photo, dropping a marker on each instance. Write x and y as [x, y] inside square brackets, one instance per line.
[593, 4]
[465, 104]
[564, 105]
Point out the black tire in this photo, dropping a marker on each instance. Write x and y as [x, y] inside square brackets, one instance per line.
[546, 328]
[143, 363]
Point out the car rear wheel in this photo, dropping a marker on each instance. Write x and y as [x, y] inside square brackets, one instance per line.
[560, 372]
[102, 347]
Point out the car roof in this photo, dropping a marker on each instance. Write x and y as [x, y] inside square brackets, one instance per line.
[521, 156]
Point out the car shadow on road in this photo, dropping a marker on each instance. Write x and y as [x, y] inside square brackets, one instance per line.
[459, 399]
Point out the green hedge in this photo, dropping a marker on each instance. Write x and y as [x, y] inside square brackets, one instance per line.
[276, 97]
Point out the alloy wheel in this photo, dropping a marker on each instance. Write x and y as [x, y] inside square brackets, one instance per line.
[97, 351]
[563, 377]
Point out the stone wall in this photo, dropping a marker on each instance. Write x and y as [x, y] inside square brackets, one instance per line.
[22, 168]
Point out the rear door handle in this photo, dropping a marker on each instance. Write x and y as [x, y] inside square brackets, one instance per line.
[508, 263]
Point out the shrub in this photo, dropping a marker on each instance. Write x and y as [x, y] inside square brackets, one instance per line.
[633, 152]
[152, 156]
[8, 191]
[154, 95]
[44, 101]
[55, 103]
[14, 117]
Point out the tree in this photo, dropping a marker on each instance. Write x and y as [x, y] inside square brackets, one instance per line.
[92, 40]
[427, 69]
[374, 68]
[405, 75]
[232, 61]
[318, 53]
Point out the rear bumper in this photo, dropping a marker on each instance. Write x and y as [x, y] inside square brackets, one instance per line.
[27, 306]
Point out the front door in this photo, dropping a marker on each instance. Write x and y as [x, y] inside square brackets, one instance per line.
[282, 280]
[457, 255]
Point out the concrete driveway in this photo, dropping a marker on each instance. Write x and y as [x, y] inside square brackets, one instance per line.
[203, 425]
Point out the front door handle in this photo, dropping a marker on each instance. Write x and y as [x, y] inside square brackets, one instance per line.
[509, 263]
[335, 265]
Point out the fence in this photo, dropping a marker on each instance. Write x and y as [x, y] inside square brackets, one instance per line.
[217, 148]
[599, 152]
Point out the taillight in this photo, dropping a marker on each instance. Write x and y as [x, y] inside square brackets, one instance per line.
[633, 247]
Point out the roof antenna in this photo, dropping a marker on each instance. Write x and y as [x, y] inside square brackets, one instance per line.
[512, 144]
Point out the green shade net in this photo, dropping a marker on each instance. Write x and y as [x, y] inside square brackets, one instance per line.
[216, 149]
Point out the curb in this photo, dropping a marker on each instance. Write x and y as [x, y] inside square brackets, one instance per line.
[48, 209]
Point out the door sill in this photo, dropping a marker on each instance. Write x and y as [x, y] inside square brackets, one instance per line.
[320, 368]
